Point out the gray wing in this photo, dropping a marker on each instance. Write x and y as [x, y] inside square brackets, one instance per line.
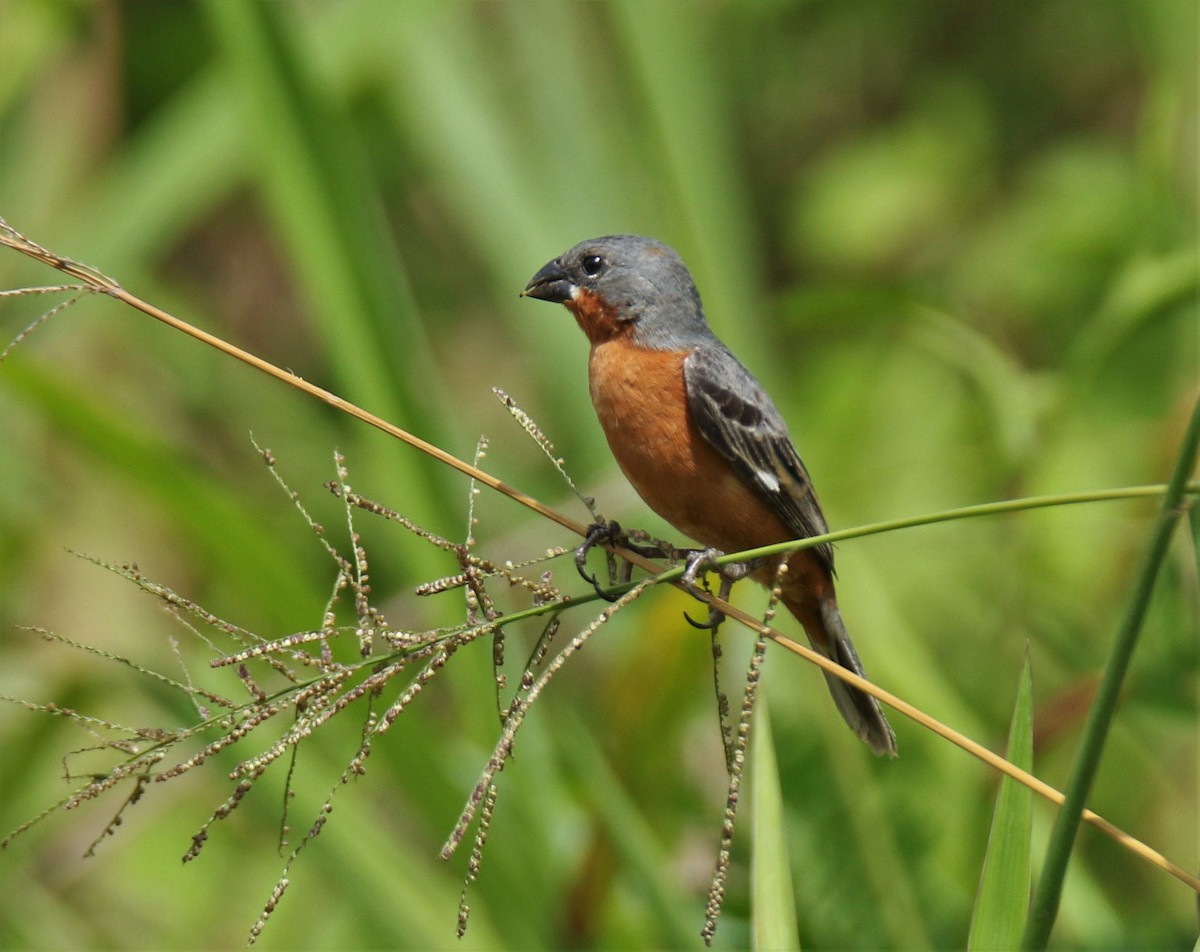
[735, 415]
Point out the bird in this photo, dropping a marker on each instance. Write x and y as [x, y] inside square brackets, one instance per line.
[700, 439]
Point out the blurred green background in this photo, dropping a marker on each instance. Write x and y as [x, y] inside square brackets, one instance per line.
[956, 241]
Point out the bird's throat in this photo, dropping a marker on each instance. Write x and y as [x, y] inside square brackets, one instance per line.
[598, 320]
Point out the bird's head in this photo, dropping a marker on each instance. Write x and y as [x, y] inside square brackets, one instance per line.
[625, 284]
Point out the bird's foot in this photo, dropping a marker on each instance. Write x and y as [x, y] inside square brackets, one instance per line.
[609, 533]
[699, 563]
[598, 532]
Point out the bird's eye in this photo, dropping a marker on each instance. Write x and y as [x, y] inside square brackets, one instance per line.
[592, 265]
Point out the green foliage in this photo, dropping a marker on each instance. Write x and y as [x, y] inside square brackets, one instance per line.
[957, 242]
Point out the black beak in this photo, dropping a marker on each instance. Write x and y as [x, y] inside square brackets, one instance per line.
[550, 284]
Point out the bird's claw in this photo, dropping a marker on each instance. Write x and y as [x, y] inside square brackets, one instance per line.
[600, 531]
[714, 620]
[699, 563]
[609, 533]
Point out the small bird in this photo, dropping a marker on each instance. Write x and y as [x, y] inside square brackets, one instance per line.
[698, 436]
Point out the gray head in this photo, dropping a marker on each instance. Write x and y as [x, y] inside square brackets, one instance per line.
[626, 283]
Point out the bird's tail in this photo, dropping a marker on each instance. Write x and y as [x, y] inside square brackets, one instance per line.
[827, 634]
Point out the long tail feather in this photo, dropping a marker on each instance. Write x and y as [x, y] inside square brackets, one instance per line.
[827, 634]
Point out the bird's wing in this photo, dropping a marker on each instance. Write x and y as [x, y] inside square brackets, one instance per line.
[735, 415]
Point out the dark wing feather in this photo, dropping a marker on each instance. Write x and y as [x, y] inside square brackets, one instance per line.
[737, 417]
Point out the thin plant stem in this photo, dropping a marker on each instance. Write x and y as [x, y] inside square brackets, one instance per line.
[1095, 732]
[947, 515]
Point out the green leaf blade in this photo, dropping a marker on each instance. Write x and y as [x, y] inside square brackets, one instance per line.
[772, 902]
[1002, 903]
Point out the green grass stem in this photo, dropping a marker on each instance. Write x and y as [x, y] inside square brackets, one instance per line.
[1095, 733]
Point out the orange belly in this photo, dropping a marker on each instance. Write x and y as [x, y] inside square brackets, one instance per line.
[641, 401]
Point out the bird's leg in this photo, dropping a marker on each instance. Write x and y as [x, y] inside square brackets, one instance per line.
[699, 563]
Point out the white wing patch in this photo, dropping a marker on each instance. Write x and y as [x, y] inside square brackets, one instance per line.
[768, 481]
